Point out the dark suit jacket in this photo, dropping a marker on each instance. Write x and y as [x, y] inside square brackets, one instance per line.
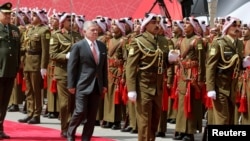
[82, 70]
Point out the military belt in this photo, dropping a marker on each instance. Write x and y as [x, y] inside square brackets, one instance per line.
[115, 62]
[189, 64]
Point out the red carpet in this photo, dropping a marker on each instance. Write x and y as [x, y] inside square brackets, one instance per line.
[26, 132]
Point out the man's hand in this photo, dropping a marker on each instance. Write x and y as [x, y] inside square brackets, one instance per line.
[43, 73]
[72, 90]
[211, 94]
[132, 96]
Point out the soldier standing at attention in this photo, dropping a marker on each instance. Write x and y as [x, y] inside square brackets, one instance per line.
[35, 65]
[223, 65]
[60, 45]
[9, 61]
[146, 64]
[245, 93]
[190, 82]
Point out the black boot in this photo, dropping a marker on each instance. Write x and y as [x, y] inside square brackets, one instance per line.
[34, 120]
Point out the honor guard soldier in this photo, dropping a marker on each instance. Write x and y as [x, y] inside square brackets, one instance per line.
[222, 71]
[17, 95]
[112, 100]
[35, 65]
[60, 44]
[146, 64]
[9, 60]
[191, 80]
[245, 93]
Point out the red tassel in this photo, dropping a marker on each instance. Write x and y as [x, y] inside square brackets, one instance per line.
[173, 89]
[45, 82]
[117, 94]
[164, 97]
[125, 94]
[19, 77]
[187, 104]
[175, 104]
[209, 104]
[23, 85]
[238, 97]
[53, 87]
[243, 105]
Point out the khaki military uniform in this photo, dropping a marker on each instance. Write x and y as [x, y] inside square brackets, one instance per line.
[145, 66]
[36, 58]
[245, 85]
[221, 77]
[9, 65]
[112, 102]
[192, 71]
[60, 44]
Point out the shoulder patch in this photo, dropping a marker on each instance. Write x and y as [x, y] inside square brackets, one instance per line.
[131, 51]
[212, 51]
[47, 35]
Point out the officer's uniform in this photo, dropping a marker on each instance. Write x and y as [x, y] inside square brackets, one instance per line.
[221, 76]
[9, 61]
[60, 44]
[145, 67]
[36, 58]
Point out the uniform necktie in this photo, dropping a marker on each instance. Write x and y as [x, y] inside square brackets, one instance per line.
[92, 46]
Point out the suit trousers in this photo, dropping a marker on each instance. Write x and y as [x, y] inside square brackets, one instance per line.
[6, 85]
[86, 106]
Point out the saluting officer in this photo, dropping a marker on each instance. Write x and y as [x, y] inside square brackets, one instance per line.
[9, 60]
[35, 65]
[146, 64]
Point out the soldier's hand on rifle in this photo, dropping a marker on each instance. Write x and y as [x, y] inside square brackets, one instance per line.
[211, 94]
[132, 96]
[43, 73]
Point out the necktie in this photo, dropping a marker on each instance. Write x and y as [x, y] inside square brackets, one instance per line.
[92, 46]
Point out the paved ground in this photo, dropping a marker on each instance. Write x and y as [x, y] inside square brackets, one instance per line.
[101, 132]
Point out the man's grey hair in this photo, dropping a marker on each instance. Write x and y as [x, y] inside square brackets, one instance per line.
[87, 24]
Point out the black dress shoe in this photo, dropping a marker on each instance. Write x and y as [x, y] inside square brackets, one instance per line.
[160, 134]
[34, 120]
[179, 136]
[116, 127]
[13, 108]
[172, 121]
[127, 129]
[63, 134]
[4, 136]
[24, 120]
[188, 137]
[53, 115]
[134, 131]
[107, 125]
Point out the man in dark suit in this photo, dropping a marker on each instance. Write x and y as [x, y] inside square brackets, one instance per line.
[186, 6]
[87, 79]
[9, 60]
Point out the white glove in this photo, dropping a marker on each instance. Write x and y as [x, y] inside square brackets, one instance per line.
[67, 55]
[173, 55]
[132, 96]
[43, 72]
[246, 62]
[211, 94]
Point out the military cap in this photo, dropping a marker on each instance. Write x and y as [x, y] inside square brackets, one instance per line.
[6, 7]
